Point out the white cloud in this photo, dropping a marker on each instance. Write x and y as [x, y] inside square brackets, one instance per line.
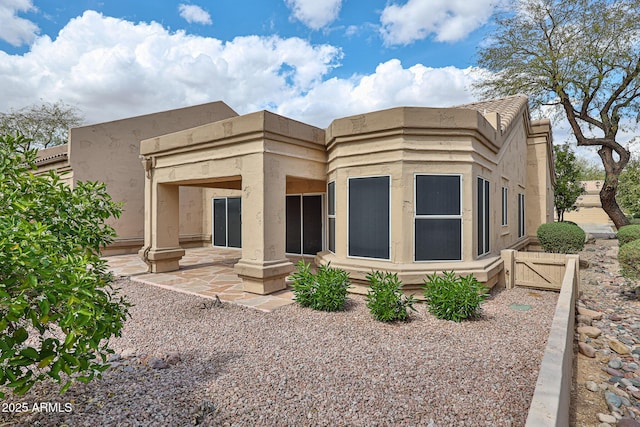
[391, 85]
[448, 20]
[111, 68]
[194, 14]
[315, 14]
[13, 29]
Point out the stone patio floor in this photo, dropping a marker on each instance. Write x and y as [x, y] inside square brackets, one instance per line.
[205, 272]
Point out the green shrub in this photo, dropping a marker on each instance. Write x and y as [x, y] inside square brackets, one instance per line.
[629, 259]
[561, 237]
[57, 307]
[628, 233]
[385, 300]
[454, 298]
[326, 290]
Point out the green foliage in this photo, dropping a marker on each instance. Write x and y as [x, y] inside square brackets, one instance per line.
[561, 237]
[385, 300]
[326, 290]
[628, 233]
[574, 59]
[454, 298]
[44, 125]
[567, 188]
[629, 189]
[629, 259]
[589, 171]
[55, 291]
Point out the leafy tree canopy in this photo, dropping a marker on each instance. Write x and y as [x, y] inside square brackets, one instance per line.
[582, 56]
[589, 171]
[630, 188]
[567, 188]
[44, 125]
[57, 307]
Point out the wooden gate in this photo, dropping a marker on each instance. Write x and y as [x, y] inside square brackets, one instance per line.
[535, 269]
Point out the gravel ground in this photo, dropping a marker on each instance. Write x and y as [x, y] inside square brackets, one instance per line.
[180, 362]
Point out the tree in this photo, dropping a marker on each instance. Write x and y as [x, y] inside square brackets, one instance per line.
[582, 56]
[630, 188]
[57, 306]
[567, 188]
[44, 125]
[589, 171]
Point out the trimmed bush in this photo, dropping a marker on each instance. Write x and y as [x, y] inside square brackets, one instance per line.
[561, 238]
[628, 233]
[326, 290]
[454, 298]
[629, 259]
[385, 300]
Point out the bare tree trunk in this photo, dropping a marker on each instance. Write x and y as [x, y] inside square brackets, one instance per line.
[610, 205]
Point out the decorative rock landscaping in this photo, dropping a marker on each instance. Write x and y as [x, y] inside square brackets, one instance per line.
[608, 331]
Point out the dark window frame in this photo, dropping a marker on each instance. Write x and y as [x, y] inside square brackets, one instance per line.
[301, 197]
[483, 215]
[226, 220]
[521, 215]
[505, 206]
[349, 212]
[438, 217]
[331, 217]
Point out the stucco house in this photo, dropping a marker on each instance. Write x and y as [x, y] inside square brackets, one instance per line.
[410, 190]
[110, 153]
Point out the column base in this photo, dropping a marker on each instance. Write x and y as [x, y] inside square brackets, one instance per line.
[263, 277]
[162, 260]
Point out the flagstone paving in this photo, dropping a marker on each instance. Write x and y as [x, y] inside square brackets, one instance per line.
[206, 272]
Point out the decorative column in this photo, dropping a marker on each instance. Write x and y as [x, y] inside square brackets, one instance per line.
[161, 249]
[263, 266]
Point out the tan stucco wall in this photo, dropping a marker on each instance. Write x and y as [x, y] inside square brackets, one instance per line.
[261, 154]
[588, 206]
[403, 142]
[109, 152]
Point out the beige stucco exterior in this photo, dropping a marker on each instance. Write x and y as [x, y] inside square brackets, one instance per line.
[588, 206]
[109, 152]
[262, 158]
[167, 168]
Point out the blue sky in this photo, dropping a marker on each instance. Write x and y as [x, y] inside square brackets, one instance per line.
[307, 59]
[310, 60]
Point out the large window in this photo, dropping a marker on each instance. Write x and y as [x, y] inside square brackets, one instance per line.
[482, 215]
[227, 222]
[369, 216]
[505, 204]
[521, 230]
[438, 218]
[331, 215]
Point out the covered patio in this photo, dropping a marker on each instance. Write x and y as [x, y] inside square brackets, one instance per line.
[205, 272]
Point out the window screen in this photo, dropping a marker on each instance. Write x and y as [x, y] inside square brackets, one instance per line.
[437, 195]
[369, 217]
[482, 215]
[234, 222]
[294, 219]
[227, 222]
[220, 222]
[331, 215]
[521, 230]
[438, 218]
